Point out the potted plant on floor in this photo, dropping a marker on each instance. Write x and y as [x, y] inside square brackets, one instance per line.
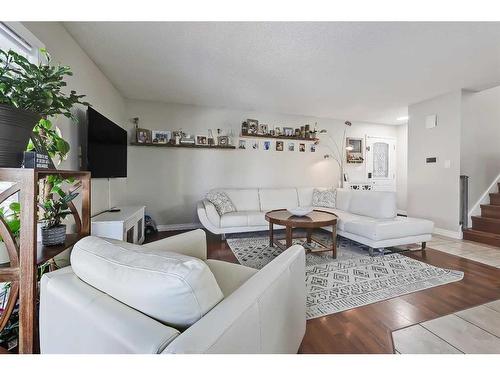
[55, 208]
[30, 94]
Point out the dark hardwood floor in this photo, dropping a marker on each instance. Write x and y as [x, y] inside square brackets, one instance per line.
[368, 329]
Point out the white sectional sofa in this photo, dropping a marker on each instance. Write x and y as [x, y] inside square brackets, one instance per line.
[368, 217]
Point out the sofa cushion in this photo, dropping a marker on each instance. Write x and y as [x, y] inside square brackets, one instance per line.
[175, 289]
[256, 218]
[343, 199]
[376, 204]
[342, 216]
[244, 199]
[398, 227]
[234, 219]
[221, 202]
[273, 199]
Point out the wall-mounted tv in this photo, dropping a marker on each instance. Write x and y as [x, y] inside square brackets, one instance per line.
[106, 147]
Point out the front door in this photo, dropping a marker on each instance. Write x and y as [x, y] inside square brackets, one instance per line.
[381, 163]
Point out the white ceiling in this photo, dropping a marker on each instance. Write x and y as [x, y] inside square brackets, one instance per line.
[357, 71]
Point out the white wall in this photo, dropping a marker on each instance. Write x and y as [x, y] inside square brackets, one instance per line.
[433, 189]
[87, 79]
[480, 145]
[170, 181]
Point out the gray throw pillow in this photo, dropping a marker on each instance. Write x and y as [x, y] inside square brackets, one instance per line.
[221, 201]
[324, 198]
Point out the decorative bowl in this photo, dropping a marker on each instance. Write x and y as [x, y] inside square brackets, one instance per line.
[300, 211]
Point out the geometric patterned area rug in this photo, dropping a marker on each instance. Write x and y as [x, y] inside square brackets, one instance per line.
[352, 280]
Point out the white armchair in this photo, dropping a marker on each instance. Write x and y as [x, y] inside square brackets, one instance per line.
[261, 312]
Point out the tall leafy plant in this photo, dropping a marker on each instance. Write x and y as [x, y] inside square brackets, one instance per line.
[39, 88]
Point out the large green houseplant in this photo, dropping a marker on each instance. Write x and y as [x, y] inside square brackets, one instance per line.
[30, 95]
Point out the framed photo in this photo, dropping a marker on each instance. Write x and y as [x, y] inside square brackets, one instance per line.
[223, 140]
[279, 146]
[302, 147]
[253, 126]
[161, 136]
[277, 130]
[313, 147]
[291, 146]
[254, 145]
[354, 150]
[263, 129]
[267, 145]
[143, 135]
[242, 144]
[201, 140]
[288, 132]
[244, 128]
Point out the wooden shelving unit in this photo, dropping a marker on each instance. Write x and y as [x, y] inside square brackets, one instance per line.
[279, 137]
[28, 254]
[169, 145]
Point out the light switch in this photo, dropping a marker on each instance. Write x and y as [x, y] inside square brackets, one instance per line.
[430, 121]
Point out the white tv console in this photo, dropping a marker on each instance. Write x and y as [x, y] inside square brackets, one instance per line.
[125, 225]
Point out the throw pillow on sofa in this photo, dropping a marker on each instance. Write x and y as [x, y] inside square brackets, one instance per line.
[173, 288]
[324, 198]
[221, 201]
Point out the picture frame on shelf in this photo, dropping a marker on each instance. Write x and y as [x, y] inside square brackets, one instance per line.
[244, 128]
[254, 145]
[277, 131]
[263, 129]
[223, 140]
[312, 147]
[291, 146]
[201, 140]
[161, 136]
[253, 126]
[279, 146]
[266, 145]
[288, 132]
[302, 147]
[242, 144]
[142, 135]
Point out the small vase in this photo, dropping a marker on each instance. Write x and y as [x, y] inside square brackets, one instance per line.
[54, 236]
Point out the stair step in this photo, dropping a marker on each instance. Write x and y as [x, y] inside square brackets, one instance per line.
[482, 237]
[495, 199]
[486, 224]
[490, 210]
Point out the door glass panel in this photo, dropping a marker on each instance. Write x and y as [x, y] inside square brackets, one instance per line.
[380, 160]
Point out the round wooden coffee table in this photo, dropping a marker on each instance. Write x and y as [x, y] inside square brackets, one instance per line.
[316, 219]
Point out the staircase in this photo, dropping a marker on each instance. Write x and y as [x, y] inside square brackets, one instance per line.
[486, 228]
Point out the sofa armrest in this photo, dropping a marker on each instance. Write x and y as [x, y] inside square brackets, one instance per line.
[209, 216]
[267, 314]
[76, 318]
[192, 243]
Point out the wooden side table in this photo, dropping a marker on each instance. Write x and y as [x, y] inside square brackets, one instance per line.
[316, 219]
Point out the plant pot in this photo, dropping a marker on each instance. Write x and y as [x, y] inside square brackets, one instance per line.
[4, 254]
[16, 126]
[54, 236]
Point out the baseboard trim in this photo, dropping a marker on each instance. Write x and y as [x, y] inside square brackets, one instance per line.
[171, 227]
[449, 233]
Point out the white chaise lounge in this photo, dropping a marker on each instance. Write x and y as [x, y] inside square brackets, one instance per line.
[368, 217]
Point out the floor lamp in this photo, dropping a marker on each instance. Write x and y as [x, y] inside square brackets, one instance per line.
[338, 152]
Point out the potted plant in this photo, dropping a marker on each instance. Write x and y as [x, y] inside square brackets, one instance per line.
[12, 219]
[55, 208]
[29, 95]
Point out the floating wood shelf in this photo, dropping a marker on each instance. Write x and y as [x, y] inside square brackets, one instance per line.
[26, 254]
[279, 137]
[183, 146]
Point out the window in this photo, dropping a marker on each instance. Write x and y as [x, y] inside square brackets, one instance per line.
[14, 36]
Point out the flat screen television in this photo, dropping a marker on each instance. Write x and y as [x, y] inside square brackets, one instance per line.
[106, 146]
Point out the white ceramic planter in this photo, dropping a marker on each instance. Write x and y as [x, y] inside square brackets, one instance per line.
[4, 255]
